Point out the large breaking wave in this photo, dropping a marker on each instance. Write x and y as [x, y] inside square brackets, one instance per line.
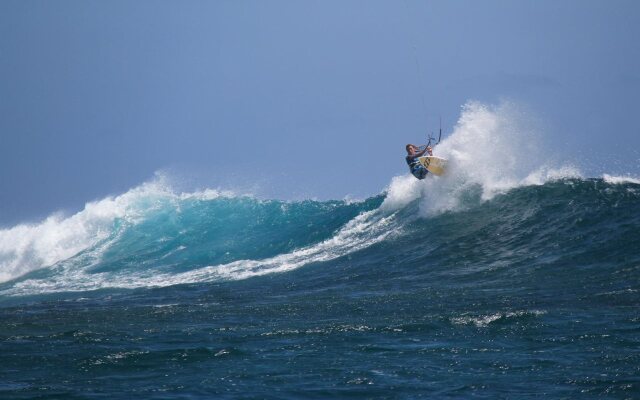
[153, 236]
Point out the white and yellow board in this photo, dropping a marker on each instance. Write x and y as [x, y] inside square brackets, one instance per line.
[433, 164]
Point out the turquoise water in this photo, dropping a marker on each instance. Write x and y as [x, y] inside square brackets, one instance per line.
[530, 292]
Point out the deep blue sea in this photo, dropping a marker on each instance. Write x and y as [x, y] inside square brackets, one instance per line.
[533, 292]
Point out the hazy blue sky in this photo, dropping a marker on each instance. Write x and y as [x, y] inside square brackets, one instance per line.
[293, 98]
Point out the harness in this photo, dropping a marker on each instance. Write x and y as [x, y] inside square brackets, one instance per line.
[417, 169]
[413, 163]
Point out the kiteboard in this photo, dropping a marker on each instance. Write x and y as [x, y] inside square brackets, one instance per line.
[433, 164]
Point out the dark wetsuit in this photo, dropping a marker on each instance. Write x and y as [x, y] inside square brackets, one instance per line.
[417, 169]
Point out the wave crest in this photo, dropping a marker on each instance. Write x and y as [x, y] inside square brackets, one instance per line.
[28, 247]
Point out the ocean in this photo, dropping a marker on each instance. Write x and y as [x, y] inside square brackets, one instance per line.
[517, 280]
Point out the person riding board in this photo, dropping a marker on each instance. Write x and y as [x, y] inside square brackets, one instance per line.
[417, 169]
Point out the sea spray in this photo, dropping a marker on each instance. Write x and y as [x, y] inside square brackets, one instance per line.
[491, 149]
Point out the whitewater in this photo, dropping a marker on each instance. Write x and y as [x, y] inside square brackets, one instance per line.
[514, 275]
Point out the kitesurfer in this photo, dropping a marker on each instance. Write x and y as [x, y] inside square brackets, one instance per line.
[417, 169]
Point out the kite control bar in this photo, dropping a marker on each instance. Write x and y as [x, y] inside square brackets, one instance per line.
[432, 138]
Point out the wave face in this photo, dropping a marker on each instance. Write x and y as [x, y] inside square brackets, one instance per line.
[153, 237]
[498, 282]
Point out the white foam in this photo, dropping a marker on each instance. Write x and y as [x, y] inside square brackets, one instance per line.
[25, 248]
[546, 174]
[350, 199]
[28, 247]
[401, 191]
[482, 321]
[208, 194]
[616, 180]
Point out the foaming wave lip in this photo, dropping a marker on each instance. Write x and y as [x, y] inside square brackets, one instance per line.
[28, 247]
[620, 179]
